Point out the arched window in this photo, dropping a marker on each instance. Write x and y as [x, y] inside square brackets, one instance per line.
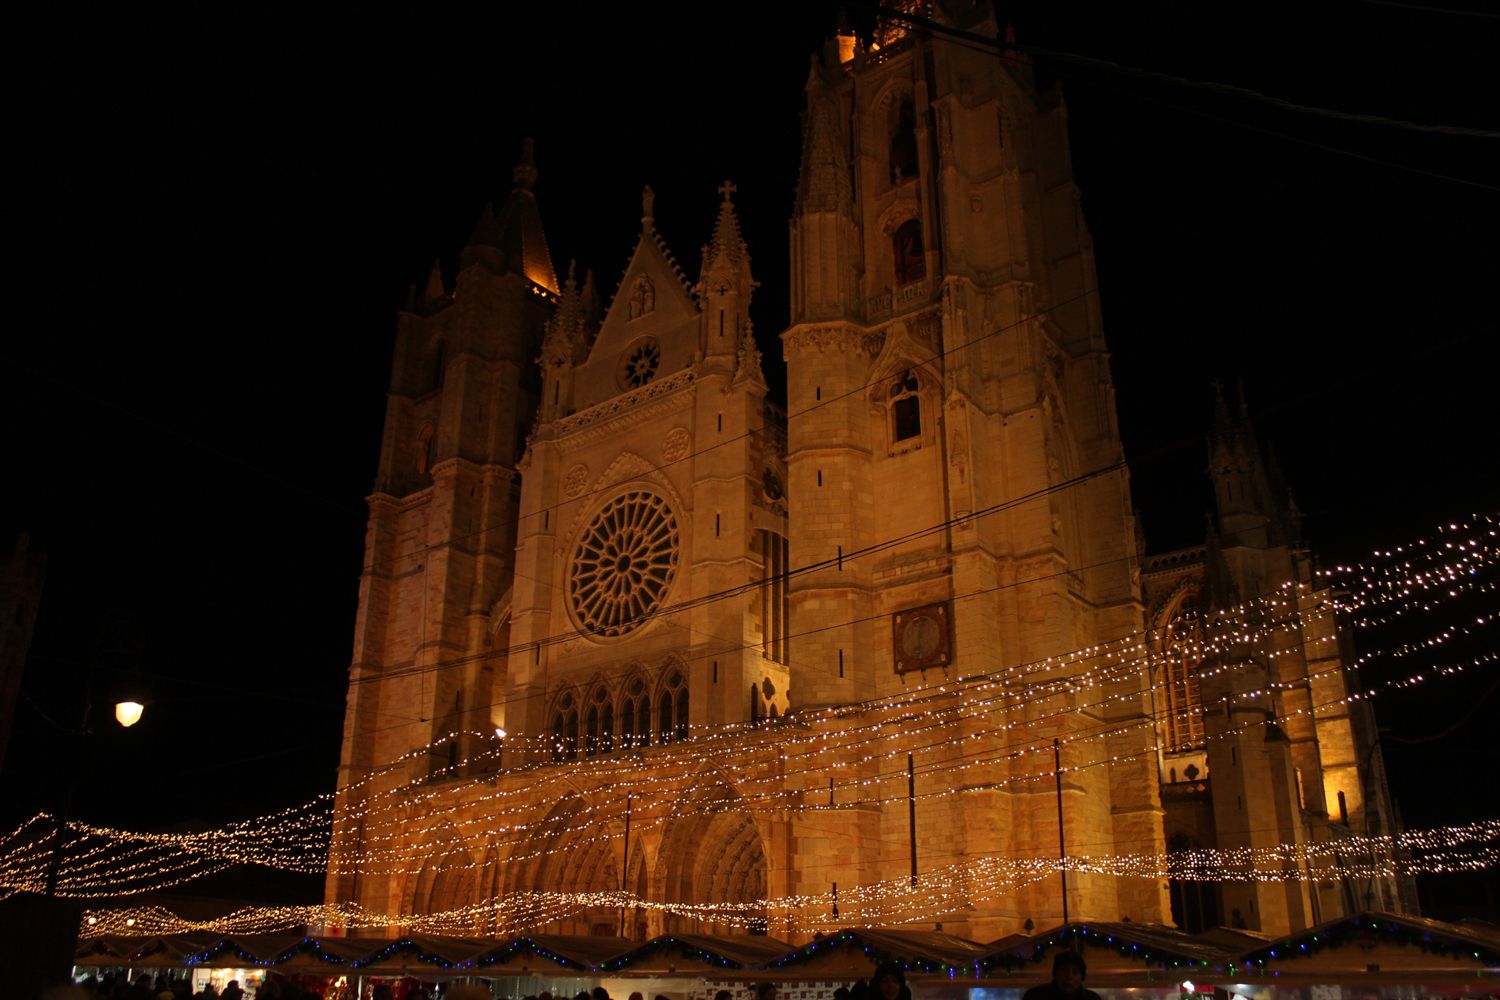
[907, 252]
[565, 729]
[903, 147]
[600, 723]
[1182, 641]
[905, 406]
[672, 709]
[775, 603]
[635, 715]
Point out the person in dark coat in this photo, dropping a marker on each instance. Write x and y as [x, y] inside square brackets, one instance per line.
[1068, 970]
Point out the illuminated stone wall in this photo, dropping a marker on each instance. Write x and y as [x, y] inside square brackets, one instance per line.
[585, 525]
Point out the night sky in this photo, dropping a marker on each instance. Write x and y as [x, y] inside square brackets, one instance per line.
[216, 226]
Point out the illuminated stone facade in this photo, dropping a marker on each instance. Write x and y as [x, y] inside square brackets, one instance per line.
[776, 647]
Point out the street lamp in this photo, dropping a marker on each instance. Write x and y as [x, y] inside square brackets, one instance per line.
[127, 713]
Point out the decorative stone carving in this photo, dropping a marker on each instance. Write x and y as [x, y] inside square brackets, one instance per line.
[624, 564]
[640, 363]
[944, 130]
[841, 338]
[747, 360]
[575, 481]
[642, 297]
[676, 445]
[610, 407]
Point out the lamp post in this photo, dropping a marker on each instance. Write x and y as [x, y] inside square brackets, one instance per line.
[128, 712]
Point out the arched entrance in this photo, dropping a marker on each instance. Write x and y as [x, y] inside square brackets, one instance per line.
[550, 875]
[712, 853]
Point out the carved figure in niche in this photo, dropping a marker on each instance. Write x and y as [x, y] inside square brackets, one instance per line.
[957, 419]
[960, 457]
[642, 297]
[676, 445]
[906, 248]
[574, 482]
[424, 451]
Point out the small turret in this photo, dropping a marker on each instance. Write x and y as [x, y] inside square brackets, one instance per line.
[725, 284]
[566, 344]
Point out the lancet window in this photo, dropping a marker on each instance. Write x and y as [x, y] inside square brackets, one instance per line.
[565, 728]
[672, 708]
[1182, 650]
[599, 723]
[635, 715]
[908, 253]
[775, 606]
[905, 407]
[903, 146]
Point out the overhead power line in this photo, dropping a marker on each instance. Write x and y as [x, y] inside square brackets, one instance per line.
[1136, 72]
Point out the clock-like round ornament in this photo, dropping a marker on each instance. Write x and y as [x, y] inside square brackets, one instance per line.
[920, 637]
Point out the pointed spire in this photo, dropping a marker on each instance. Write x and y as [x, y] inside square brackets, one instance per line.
[1220, 592]
[564, 339]
[1223, 424]
[747, 359]
[523, 176]
[434, 295]
[824, 182]
[726, 242]
[515, 230]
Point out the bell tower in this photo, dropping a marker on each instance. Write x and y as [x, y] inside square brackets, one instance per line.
[440, 544]
[959, 503]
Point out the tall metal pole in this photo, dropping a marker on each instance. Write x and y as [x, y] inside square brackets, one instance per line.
[625, 868]
[65, 814]
[911, 814]
[1062, 850]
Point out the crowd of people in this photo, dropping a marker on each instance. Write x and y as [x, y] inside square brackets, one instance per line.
[888, 983]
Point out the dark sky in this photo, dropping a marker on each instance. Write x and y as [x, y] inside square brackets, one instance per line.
[217, 222]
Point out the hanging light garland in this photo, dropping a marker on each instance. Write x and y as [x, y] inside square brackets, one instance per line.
[411, 822]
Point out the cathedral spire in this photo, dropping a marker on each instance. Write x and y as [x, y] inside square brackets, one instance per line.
[565, 328]
[826, 248]
[824, 181]
[433, 295]
[726, 243]
[509, 237]
[724, 283]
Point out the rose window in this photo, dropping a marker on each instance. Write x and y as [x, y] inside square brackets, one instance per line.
[624, 564]
[640, 364]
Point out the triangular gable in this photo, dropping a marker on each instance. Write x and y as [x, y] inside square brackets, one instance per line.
[651, 302]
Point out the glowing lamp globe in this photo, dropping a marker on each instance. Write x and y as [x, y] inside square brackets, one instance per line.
[128, 713]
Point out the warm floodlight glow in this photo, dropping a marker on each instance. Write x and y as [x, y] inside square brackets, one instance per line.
[499, 733]
[128, 713]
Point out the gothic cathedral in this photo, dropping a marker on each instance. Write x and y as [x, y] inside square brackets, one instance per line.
[639, 650]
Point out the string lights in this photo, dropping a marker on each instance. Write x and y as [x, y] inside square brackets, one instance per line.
[940, 890]
[1000, 724]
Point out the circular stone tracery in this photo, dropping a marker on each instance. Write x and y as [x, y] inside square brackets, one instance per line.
[624, 564]
[639, 364]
